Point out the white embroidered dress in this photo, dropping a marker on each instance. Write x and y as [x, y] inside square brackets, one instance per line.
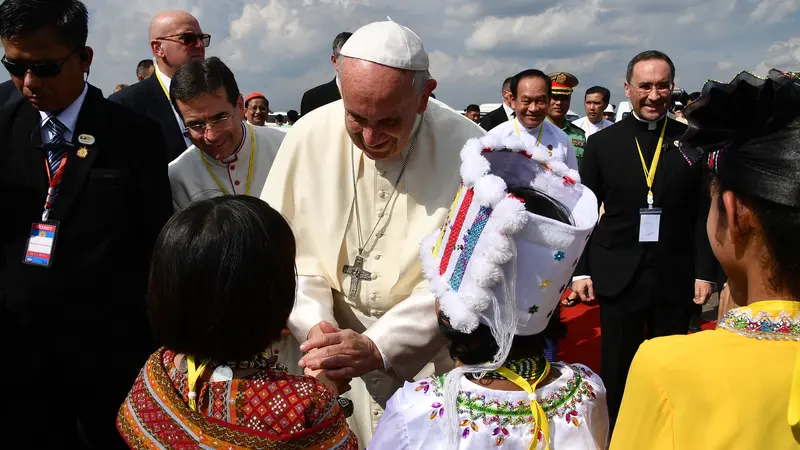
[575, 405]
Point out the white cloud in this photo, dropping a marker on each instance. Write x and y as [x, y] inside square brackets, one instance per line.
[783, 55]
[771, 11]
[554, 26]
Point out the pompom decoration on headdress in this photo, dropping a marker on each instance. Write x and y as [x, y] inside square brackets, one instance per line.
[729, 118]
[490, 235]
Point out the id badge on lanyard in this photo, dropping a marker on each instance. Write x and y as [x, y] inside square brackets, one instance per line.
[42, 239]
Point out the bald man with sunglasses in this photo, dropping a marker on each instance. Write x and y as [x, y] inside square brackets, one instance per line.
[175, 39]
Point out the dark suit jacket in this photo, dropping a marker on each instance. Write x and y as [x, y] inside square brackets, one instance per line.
[319, 96]
[77, 332]
[612, 169]
[146, 97]
[8, 92]
[494, 118]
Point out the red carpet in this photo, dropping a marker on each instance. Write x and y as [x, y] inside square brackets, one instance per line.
[582, 344]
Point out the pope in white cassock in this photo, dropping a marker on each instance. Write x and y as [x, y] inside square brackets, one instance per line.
[362, 181]
[530, 90]
[228, 156]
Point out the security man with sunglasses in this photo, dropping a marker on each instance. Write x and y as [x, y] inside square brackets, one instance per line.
[175, 39]
[85, 192]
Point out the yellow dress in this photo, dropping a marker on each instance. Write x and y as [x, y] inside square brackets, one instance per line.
[727, 389]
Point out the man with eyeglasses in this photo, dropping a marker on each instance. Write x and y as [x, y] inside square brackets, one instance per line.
[256, 109]
[649, 254]
[85, 192]
[175, 39]
[228, 155]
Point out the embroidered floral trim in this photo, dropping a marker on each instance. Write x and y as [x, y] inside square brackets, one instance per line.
[762, 325]
[497, 416]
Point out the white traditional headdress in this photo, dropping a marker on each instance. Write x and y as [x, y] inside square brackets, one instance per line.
[489, 237]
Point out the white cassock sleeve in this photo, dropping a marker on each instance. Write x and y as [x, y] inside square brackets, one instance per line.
[314, 304]
[408, 334]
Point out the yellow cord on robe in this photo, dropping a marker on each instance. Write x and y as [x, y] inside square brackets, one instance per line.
[538, 139]
[192, 377]
[536, 408]
[794, 398]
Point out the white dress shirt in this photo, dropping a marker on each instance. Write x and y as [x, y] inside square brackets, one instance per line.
[68, 117]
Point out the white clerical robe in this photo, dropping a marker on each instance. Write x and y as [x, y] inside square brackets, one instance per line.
[311, 185]
[591, 128]
[190, 177]
[553, 139]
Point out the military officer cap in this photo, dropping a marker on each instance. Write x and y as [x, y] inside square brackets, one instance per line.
[563, 82]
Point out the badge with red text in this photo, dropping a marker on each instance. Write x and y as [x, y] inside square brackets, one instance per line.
[41, 243]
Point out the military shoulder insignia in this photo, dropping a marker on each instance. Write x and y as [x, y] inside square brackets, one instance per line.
[577, 143]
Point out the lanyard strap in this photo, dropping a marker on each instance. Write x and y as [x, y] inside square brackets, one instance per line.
[193, 375]
[249, 165]
[538, 139]
[52, 189]
[536, 409]
[650, 175]
[163, 87]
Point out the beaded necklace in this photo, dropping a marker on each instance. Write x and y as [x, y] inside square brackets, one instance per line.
[527, 368]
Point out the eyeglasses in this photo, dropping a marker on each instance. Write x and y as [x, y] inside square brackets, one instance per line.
[199, 129]
[254, 108]
[188, 39]
[661, 88]
[42, 69]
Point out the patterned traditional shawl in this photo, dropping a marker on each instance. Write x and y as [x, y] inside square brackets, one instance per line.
[271, 410]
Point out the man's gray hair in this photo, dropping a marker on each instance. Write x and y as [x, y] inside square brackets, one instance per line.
[419, 81]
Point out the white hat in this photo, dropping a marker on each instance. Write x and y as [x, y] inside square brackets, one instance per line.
[496, 262]
[609, 108]
[467, 258]
[387, 43]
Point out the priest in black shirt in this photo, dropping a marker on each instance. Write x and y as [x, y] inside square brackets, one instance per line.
[649, 259]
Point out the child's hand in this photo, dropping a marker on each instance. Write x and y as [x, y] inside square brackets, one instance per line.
[338, 388]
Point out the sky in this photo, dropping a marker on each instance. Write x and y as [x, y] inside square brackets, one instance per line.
[281, 48]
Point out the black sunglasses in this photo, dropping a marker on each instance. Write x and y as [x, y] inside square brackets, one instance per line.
[40, 69]
[188, 39]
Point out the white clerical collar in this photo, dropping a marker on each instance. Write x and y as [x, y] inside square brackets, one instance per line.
[651, 124]
[509, 112]
[235, 155]
[69, 116]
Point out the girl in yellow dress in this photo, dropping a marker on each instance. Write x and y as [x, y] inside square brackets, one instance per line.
[736, 387]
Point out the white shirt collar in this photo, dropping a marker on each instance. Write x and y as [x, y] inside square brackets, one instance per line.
[508, 110]
[69, 117]
[533, 130]
[164, 79]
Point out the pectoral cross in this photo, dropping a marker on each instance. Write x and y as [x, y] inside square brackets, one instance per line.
[357, 274]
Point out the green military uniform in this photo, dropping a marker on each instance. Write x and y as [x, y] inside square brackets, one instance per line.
[563, 83]
[578, 138]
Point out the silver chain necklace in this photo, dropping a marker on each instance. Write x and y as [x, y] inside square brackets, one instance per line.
[356, 270]
[361, 243]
